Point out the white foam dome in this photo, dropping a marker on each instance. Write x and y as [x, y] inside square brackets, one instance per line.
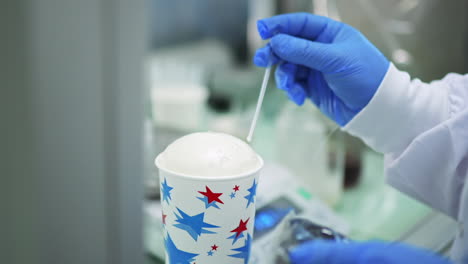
[209, 154]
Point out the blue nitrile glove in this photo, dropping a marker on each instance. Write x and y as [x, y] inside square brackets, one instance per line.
[327, 61]
[329, 252]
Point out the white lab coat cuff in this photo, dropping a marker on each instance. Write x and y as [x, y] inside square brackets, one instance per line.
[376, 123]
[398, 112]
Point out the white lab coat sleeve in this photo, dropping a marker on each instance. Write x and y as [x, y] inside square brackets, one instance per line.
[423, 131]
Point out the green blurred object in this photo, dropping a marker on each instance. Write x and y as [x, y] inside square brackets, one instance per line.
[304, 193]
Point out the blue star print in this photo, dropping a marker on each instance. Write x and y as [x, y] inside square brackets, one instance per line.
[244, 252]
[208, 205]
[177, 256]
[235, 238]
[252, 192]
[166, 191]
[210, 253]
[194, 225]
[232, 195]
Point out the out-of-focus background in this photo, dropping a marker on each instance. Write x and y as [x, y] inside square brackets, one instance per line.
[93, 90]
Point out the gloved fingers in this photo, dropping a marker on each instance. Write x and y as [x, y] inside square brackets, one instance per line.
[325, 252]
[320, 93]
[265, 55]
[297, 94]
[315, 80]
[285, 77]
[323, 97]
[302, 73]
[378, 252]
[321, 251]
[304, 52]
[302, 25]
[287, 73]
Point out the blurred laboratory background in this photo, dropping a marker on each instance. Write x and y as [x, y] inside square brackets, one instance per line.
[93, 90]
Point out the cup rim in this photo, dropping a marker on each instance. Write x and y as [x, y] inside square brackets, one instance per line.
[246, 174]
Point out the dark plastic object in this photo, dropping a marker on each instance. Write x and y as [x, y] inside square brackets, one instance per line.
[301, 231]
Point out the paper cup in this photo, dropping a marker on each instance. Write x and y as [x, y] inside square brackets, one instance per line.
[207, 219]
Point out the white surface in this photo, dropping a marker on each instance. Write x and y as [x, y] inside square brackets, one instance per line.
[209, 154]
[435, 232]
[423, 130]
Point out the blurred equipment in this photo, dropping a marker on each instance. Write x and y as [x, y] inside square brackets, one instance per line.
[282, 194]
[266, 8]
[178, 81]
[179, 105]
[427, 38]
[310, 146]
[224, 115]
[181, 21]
[179, 92]
[295, 231]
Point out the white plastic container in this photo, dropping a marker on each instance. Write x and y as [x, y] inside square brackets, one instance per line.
[307, 145]
[179, 105]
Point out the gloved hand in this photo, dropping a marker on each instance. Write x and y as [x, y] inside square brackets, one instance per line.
[327, 61]
[320, 251]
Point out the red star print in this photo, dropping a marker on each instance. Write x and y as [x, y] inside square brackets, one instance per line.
[211, 195]
[236, 188]
[164, 218]
[241, 227]
[214, 247]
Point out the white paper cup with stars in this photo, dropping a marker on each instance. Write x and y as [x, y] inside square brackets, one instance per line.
[208, 218]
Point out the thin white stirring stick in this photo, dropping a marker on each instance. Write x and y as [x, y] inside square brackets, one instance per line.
[259, 102]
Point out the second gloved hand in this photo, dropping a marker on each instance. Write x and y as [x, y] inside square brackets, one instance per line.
[327, 61]
[328, 252]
